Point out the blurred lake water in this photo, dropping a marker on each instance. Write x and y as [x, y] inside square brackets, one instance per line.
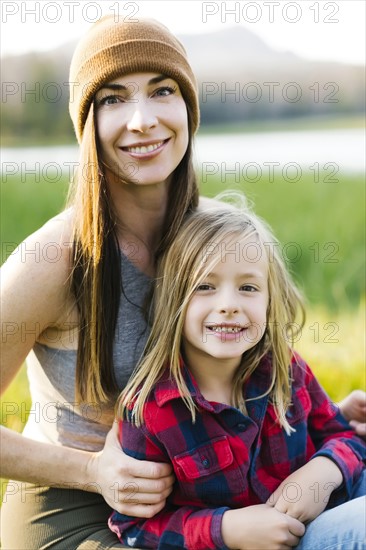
[244, 153]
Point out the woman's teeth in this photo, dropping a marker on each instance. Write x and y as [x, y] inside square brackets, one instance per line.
[144, 149]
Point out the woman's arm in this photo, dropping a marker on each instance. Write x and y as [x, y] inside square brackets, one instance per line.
[34, 296]
[23, 459]
[110, 472]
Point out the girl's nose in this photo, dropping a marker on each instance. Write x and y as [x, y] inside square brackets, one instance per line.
[142, 118]
[228, 309]
[227, 304]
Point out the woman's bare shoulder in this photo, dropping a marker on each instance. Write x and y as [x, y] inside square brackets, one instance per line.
[50, 240]
[43, 254]
[59, 228]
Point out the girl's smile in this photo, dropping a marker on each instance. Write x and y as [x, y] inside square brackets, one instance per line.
[227, 331]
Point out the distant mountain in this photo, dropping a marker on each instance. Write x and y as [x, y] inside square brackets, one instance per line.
[268, 84]
[228, 49]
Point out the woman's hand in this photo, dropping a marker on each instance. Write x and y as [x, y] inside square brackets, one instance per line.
[353, 408]
[132, 487]
[260, 526]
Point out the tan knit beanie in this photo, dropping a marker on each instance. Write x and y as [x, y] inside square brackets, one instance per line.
[112, 48]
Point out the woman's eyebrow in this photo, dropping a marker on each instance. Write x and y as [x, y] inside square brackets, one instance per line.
[122, 87]
[158, 79]
[113, 87]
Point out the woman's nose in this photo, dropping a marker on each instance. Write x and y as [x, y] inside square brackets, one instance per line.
[142, 118]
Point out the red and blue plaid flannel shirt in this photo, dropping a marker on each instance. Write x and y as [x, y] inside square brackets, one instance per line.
[229, 460]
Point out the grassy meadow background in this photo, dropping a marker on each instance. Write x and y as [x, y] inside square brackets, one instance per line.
[321, 227]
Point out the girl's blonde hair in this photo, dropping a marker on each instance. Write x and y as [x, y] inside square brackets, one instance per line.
[190, 258]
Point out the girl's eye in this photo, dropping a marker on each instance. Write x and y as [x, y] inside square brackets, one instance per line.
[165, 91]
[203, 286]
[248, 288]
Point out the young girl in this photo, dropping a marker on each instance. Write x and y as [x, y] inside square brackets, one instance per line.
[257, 447]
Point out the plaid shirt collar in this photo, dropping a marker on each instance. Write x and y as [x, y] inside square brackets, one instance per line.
[166, 390]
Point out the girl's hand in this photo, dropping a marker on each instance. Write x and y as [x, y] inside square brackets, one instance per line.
[260, 526]
[353, 408]
[132, 487]
[305, 493]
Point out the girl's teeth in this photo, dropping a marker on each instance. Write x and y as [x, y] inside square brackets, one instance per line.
[147, 149]
[226, 329]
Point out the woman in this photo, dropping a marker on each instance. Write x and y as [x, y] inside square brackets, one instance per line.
[134, 106]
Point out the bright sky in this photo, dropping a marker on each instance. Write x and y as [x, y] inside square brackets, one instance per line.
[321, 30]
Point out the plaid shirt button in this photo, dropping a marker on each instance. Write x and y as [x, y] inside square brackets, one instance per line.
[205, 462]
[241, 427]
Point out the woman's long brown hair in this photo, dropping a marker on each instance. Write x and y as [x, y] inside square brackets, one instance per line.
[96, 279]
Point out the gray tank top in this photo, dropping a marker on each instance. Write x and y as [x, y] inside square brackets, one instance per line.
[54, 416]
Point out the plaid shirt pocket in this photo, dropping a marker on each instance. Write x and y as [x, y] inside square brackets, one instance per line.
[210, 473]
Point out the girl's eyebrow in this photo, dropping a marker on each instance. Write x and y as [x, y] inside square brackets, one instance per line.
[253, 275]
[122, 87]
[246, 274]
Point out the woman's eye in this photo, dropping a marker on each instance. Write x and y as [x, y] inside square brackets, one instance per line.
[165, 91]
[110, 100]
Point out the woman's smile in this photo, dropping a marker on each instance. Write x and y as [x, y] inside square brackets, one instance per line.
[145, 150]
